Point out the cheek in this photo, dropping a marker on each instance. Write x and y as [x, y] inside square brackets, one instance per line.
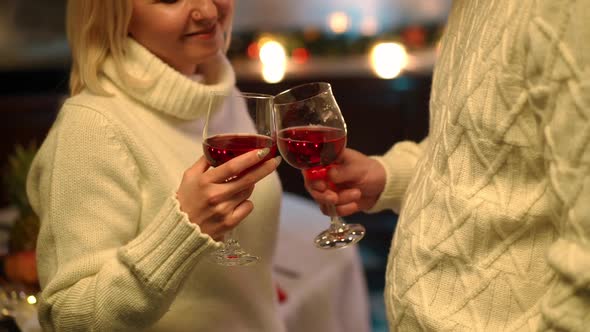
[156, 23]
[157, 35]
[225, 7]
[152, 36]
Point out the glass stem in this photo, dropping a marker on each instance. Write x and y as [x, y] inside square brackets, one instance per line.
[337, 225]
[229, 239]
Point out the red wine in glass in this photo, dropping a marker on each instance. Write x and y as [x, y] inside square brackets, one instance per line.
[219, 149]
[311, 136]
[308, 147]
[223, 142]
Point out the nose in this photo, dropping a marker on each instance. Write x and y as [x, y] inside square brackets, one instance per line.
[203, 10]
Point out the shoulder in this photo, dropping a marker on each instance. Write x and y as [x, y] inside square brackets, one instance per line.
[91, 111]
[85, 136]
[89, 103]
[89, 120]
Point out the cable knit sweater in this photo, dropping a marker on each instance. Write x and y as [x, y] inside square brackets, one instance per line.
[494, 228]
[115, 253]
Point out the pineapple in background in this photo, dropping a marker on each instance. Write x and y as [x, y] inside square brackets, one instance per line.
[20, 265]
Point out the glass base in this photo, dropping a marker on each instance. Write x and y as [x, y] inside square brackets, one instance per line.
[233, 256]
[344, 237]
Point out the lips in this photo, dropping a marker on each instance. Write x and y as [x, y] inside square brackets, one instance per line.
[203, 33]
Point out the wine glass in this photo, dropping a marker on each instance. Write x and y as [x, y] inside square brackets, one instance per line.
[311, 135]
[221, 144]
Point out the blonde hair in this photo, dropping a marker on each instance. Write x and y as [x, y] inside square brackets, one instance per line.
[97, 29]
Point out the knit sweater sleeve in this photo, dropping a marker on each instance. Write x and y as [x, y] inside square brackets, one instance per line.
[563, 95]
[98, 271]
[399, 164]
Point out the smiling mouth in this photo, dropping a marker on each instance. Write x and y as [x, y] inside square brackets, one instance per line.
[203, 34]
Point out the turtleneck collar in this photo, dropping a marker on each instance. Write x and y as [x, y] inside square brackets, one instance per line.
[157, 85]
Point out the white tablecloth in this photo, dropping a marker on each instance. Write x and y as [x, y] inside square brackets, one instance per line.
[326, 289]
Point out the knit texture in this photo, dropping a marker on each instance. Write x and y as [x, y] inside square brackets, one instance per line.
[494, 227]
[115, 252]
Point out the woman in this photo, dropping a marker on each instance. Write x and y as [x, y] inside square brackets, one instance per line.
[128, 216]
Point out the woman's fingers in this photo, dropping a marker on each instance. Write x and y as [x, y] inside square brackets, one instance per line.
[234, 216]
[237, 165]
[240, 212]
[254, 174]
[225, 208]
[229, 186]
[216, 203]
[227, 190]
[201, 165]
[195, 171]
[230, 213]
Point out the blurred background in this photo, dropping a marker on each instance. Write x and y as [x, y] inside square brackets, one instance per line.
[377, 54]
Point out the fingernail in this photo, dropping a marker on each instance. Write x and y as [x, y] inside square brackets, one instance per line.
[262, 153]
[278, 159]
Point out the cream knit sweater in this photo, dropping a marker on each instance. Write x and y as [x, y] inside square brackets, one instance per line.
[115, 253]
[494, 230]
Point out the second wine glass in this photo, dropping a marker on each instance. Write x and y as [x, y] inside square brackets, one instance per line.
[221, 145]
[311, 135]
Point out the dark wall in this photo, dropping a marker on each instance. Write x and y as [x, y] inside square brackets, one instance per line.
[29, 100]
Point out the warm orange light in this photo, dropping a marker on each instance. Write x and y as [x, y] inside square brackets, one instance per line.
[414, 36]
[253, 50]
[339, 22]
[300, 55]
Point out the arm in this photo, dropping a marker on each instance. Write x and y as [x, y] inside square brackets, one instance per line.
[97, 273]
[562, 94]
[567, 304]
[399, 164]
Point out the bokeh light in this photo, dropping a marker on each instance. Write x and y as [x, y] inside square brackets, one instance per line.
[274, 61]
[369, 26]
[338, 22]
[31, 299]
[388, 59]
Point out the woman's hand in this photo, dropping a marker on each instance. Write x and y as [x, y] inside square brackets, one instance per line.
[353, 183]
[216, 204]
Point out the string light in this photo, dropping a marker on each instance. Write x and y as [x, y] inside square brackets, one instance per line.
[274, 61]
[338, 22]
[31, 299]
[388, 59]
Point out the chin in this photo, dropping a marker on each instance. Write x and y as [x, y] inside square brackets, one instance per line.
[203, 58]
